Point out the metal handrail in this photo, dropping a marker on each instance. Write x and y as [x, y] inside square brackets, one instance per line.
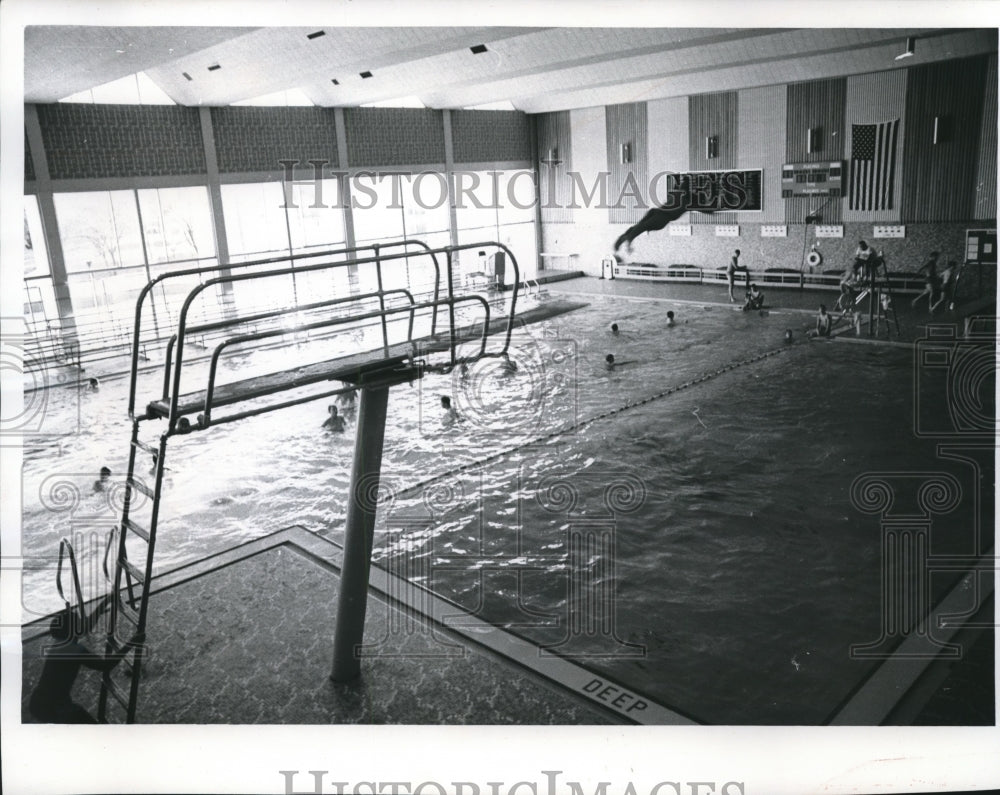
[148, 287]
[231, 278]
[168, 355]
[204, 420]
[65, 544]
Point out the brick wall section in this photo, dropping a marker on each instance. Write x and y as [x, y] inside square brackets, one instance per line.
[29, 165]
[94, 141]
[394, 136]
[485, 136]
[252, 139]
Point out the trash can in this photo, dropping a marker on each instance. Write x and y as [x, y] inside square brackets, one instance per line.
[608, 267]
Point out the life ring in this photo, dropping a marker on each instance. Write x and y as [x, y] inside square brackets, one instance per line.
[814, 259]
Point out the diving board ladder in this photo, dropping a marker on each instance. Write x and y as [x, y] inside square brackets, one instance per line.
[130, 605]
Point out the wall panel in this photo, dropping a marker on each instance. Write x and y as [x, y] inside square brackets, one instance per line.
[667, 135]
[252, 139]
[485, 136]
[815, 105]
[95, 141]
[553, 130]
[986, 172]
[394, 137]
[939, 180]
[713, 115]
[762, 145]
[628, 183]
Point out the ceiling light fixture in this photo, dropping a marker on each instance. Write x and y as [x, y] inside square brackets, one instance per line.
[365, 75]
[316, 35]
[186, 75]
[213, 67]
[911, 46]
[478, 49]
[335, 81]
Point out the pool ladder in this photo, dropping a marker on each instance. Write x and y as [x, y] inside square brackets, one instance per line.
[129, 605]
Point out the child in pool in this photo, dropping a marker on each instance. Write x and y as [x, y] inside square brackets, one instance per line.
[102, 484]
[610, 364]
[334, 422]
[451, 415]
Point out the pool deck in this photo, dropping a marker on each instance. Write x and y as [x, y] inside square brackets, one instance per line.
[798, 306]
[245, 636]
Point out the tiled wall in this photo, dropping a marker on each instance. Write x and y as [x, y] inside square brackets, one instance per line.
[257, 139]
[482, 136]
[394, 136]
[108, 141]
[95, 141]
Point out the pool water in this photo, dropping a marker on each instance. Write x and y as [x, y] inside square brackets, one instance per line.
[694, 541]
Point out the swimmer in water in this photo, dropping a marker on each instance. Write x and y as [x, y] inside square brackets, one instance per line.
[670, 318]
[614, 329]
[450, 416]
[102, 484]
[788, 335]
[334, 422]
[610, 364]
[94, 384]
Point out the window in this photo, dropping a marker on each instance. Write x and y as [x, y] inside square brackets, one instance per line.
[255, 220]
[99, 230]
[136, 89]
[176, 224]
[36, 254]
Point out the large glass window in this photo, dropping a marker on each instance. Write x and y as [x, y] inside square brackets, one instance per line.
[176, 224]
[99, 230]
[36, 254]
[255, 220]
[261, 223]
[109, 240]
[496, 205]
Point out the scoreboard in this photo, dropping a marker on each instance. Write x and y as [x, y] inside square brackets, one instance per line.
[812, 179]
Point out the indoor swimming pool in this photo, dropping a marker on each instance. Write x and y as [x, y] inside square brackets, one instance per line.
[682, 524]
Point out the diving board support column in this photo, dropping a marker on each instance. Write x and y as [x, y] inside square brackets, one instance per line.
[359, 533]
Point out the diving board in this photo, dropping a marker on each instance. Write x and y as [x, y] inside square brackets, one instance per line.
[351, 369]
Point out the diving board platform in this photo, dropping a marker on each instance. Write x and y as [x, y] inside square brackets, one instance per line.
[353, 368]
[387, 285]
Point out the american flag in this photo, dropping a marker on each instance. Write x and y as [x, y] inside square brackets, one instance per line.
[873, 165]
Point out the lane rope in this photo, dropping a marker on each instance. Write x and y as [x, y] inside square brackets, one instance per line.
[589, 420]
